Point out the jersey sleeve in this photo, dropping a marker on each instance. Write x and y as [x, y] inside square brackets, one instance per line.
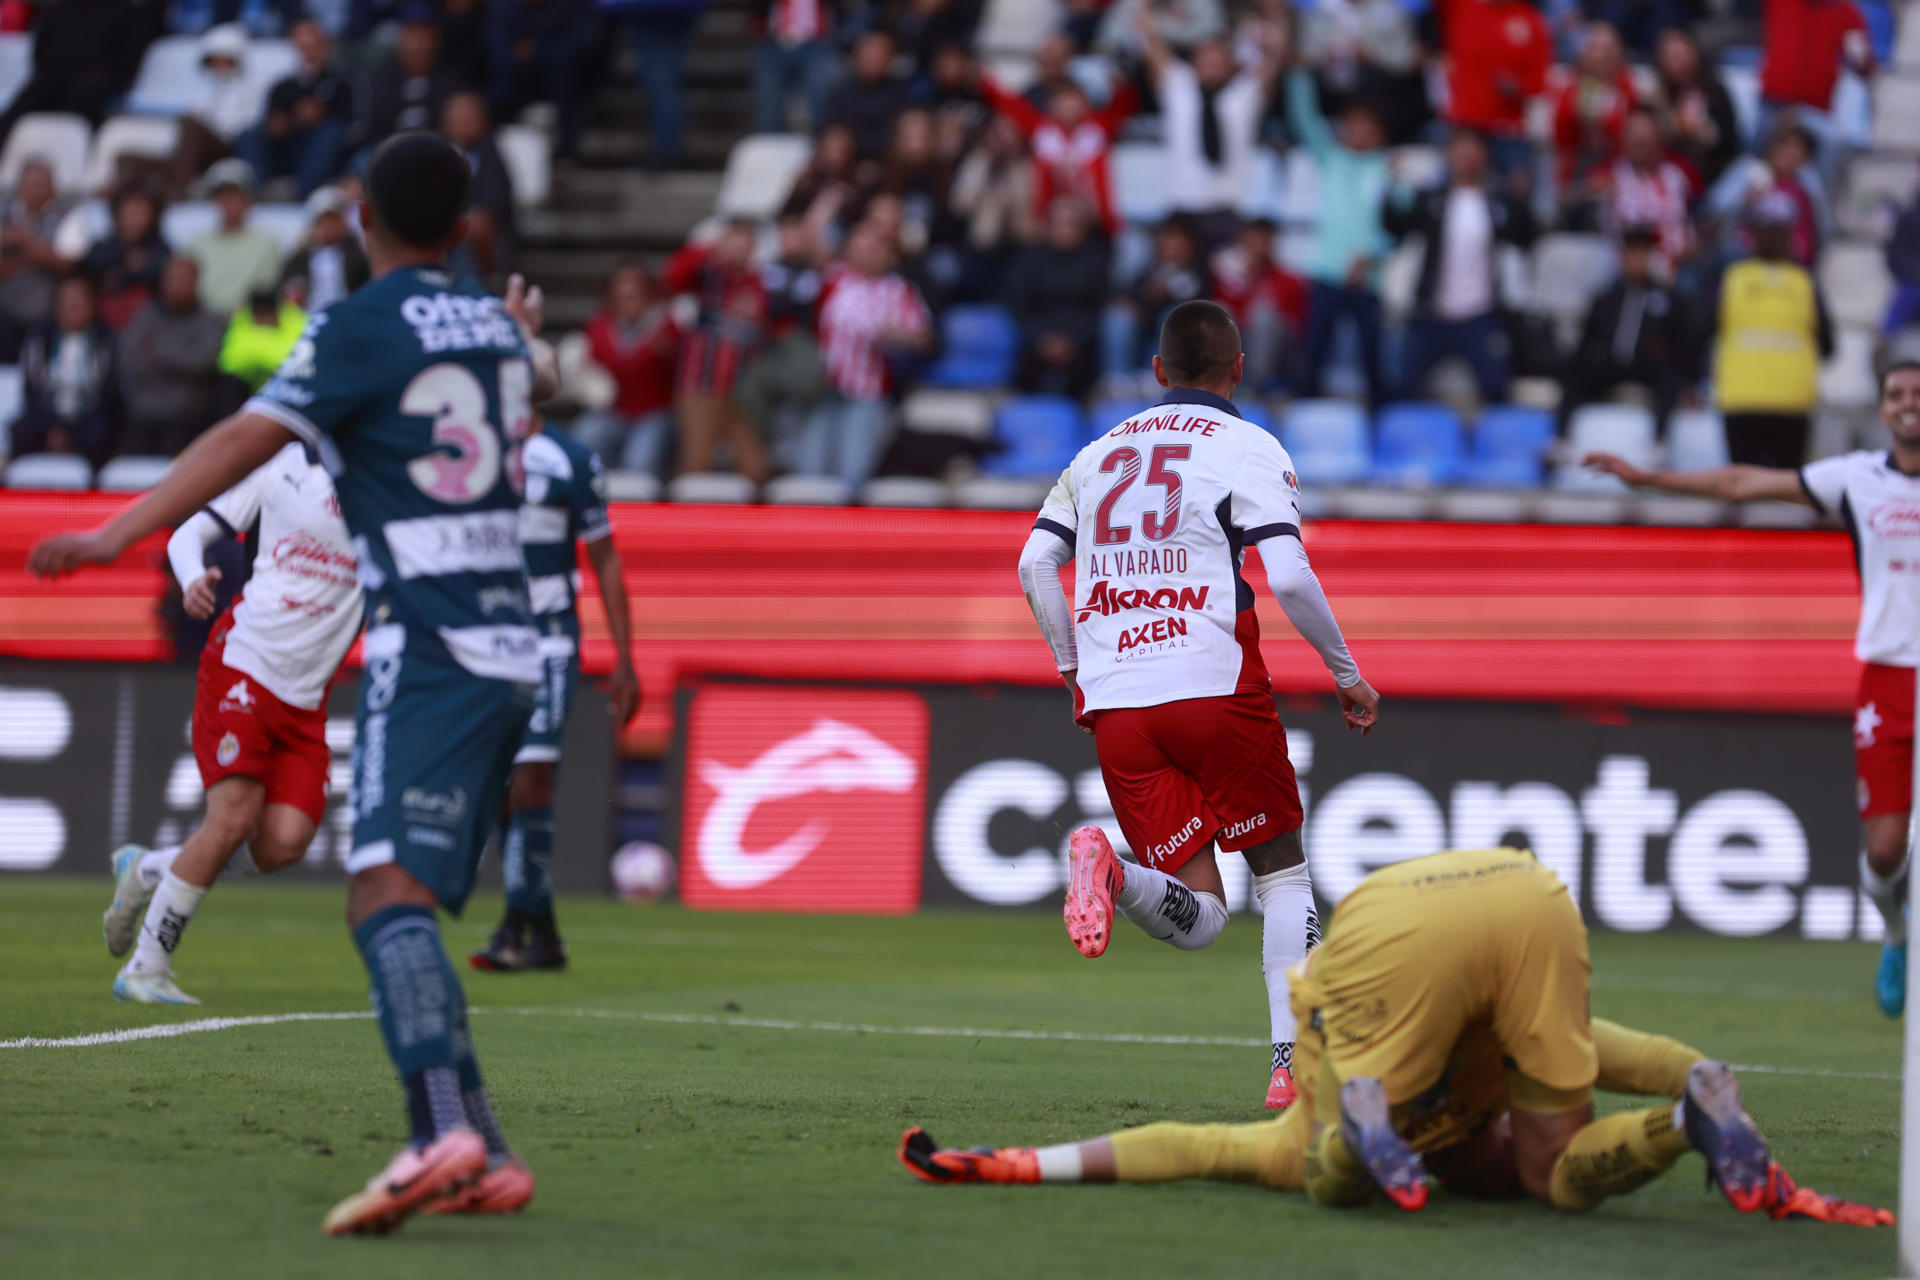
[1060, 514]
[239, 507]
[1825, 482]
[320, 386]
[1266, 494]
[587, 499]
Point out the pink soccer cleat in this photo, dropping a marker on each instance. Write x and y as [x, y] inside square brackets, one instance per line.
[413, 1180]
[505, 1188]
[1093, 877]
[1281, 1091]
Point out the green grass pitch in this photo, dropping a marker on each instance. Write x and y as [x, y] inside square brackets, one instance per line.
[709, 1148]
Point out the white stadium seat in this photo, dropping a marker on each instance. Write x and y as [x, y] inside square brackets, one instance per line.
[996, 493]
[169, 77]
[1875, 187]
[16, 66]
[1896, 113]
[1855, 283]
[1847, 381]
[633, 486]
[129, 136]
[1690, 513]
[1568, 270]
[809, 491]
[1696, 440]
[903, 491]
[62, 140]
[1300, 188]
[1018, 26]
[182, 222]
[1906, 42]
[1622, 429]
[968, 414]
[761, 170]
[84, 226]
[529, 160]
[711, 486]
[48, 471]
[132, 473]
[1138, 173]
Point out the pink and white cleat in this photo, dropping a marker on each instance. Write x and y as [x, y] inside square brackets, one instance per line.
[1093, 878]
[1281, 1091]
[413, 1180]
[505, 1188]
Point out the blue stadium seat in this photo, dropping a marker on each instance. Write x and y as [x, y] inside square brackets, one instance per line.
[1108, 414]
[977, 348]
[1328, 441]
[1510, 443]
[1419, 445]
[1038, 437]
[1255, 410]
[1880, 29]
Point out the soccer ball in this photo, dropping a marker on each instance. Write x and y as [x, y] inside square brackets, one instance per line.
[642, 872]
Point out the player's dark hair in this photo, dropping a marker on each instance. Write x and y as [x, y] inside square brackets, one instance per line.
[418, 185]
[1198, 343]
[1898, 366]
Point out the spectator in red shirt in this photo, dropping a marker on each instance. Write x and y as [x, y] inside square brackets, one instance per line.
[868, 314]
[1069, 142]
[729, 328]
[1590, 108]
[1498, 54]
[1807, 43]
[1268, 302]
[635, 340]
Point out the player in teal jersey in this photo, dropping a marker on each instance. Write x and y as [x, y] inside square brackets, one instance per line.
[418, 391]
[566, 502]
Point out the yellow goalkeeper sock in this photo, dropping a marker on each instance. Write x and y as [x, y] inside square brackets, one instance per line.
[1616, 1155]
[1639, 1062]
[1268, 1152]
[1334, 1174]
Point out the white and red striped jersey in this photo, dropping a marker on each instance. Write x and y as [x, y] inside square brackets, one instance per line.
[792, 22]
[854, 311]
[1659, 200]
[1157, 512]
[300, 610]
[1880, 506]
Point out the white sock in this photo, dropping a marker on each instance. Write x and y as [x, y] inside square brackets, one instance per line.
[1167, 909]
[1290, 927]
[1885, 891]
[173, 905]
[155, 863]
[1059, 1164]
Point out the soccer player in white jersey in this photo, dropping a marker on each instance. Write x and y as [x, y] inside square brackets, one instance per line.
[259, 715]
[1876, 495]
[1161, 652]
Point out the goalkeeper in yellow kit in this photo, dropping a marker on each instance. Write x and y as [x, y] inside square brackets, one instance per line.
[1445, 1031]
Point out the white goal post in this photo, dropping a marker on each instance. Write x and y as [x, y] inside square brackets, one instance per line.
[1909, 1227]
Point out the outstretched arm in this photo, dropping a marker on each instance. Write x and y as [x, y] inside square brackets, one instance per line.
[211, 465]
[187, 556]
[623, 687]
[1298, 590]
[1041, 560]
[1738, 483]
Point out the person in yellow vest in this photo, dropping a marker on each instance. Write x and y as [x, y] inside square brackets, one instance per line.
[1774, 333]
[260, 336]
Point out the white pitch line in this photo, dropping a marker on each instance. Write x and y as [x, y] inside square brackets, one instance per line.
[168, 1030]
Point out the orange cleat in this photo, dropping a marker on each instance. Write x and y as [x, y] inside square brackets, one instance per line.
[1788, 1199]
[1366, 1121]
[931, 1163]
[505, 1188]
[1281, 1093]
[1720, 1129]
[413, 1180]
[1093, 878]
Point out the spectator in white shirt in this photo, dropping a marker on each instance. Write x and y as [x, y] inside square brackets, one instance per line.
[236, 260]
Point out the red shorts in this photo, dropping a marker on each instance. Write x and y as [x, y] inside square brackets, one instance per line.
[1184, 773]
[242, 730]
[1883, 740]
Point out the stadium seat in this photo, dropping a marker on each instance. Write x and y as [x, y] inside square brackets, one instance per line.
[1017, 26]
[1623, 429]
[633, 486]
[48, 471]
[1255, 410]
[1108, 414]
[16, 66]
[1906, 43]
[1696, 439]
[169, 77]
[1510, 443]
[62, 140]
[287, 223]
[153, 136]
[977, 348]
[1896, 113]
[12, 393]
[903, 491]
[1875, 187]
[1776, 515]
[1399, 278]
[82, 228]
[1880, 29]
[967, 414]
[1000, 493]
[1856, 284]
[1417, 446]
[132, 473]
[1492, 505]
[1668, 509]
[1847, 381]
[711, 486]
[1138, 171]
[1568, 270]
[809, 491]
[182, 222]
[1038, 437]
[529, 160]
[1328, 441]
[761, 170]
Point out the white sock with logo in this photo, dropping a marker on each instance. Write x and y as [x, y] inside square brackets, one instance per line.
[1167, 909]
[1887, 894]
[173, 905]
[1059, 1164]
[155, 863]
[1290, 927]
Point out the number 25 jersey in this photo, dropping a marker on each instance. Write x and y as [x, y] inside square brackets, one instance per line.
[416, 390]
[1158, 511]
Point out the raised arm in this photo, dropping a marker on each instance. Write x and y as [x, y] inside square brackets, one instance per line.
[623, 686]
[1025, 116]
[1303, 111]
[1301, 598]
[1738, 483]
[1153, 45]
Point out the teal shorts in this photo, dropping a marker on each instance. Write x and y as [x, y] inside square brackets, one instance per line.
[432, 750]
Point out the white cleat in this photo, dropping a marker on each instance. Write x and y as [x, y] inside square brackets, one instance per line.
[149, 988]
[120, 923]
